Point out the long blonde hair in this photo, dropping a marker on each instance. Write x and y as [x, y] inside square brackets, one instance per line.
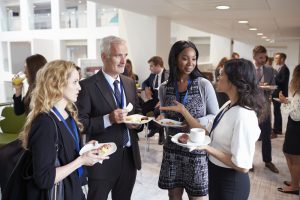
[50, 84]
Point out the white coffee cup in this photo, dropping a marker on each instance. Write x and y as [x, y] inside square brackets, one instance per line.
[197, 135]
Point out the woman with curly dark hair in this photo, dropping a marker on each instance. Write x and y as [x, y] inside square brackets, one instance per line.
[234, 131]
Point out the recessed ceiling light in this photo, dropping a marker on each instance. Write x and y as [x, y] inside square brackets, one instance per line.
[259, 34]
[268, 40]
[252, 29]
[222, 7]
[243, 22]
[264, 37]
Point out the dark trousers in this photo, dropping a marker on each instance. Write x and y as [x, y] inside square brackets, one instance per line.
[121, 186]
[227, 184]
[277, 117]
[265, 127]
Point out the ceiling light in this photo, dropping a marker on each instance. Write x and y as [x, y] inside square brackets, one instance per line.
[79, 1]
[268, 40]
[264, 37]
[259, 34]
[252, 29]
[222, 7]
[243, 22]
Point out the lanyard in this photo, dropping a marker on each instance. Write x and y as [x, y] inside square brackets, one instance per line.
[219, 117]
[73, 134]
[184, 101]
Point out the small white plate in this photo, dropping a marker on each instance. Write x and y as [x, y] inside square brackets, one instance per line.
[89, 147]
[169, 123]
[268, 87]
[189, 143]
[136, 119]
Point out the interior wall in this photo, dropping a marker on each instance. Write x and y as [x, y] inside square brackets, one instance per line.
[44, 47]
[140, 33]
[19, 52]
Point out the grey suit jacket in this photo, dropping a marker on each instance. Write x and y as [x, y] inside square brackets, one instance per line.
[96, 100]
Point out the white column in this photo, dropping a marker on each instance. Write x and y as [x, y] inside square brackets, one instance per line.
[163, 38]
[91, 14]
[91, 25]
[3, 17]
[26, 15]
[56, 7]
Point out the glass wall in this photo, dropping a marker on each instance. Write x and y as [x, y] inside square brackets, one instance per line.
[42, 15]
[74, 15]
[107, 16]
[13, 18]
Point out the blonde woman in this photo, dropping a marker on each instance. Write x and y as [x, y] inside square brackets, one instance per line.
[56, 90]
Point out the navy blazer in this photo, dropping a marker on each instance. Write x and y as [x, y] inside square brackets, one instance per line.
[282, 81]
[149, 81]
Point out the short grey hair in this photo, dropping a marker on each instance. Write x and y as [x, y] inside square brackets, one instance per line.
[106, 42]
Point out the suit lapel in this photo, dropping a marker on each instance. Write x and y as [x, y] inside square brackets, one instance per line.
[103, 86]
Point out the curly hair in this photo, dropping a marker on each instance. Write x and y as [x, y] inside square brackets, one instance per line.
[50, 84]
[241, 73]
[176, 49]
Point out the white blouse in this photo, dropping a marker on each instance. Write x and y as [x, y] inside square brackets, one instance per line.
[236, 134]
[292, 107]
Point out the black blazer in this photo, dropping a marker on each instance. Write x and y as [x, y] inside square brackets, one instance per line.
[149, 81]
[282, 81]
[96, 100]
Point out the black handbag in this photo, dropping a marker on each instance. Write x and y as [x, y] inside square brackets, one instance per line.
[20, 181]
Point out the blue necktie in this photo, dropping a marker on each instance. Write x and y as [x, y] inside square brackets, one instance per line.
[119, 103]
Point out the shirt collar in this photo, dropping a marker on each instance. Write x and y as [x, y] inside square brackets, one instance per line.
[110, 79]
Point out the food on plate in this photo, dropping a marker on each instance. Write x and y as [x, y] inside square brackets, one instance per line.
[103, 149]
[168, 123]
[135, 119]
[144, 118]
[183, 138]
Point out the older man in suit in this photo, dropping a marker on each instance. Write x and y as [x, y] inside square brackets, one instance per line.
[101, 104]
[158, 75]
[265, 76]
[282, 81]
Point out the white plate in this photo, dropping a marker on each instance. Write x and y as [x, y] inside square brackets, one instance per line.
[136, 119]
[189, 143]
[268, 87]
[89, 147]
[169, 123]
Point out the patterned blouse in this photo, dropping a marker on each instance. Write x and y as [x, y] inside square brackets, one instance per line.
[293, 107]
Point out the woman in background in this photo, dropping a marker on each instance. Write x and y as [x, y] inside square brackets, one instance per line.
[234, 131]
[180, 169]
[32, 65]
[129, 72]
[291, 145]
[221, 96]
[56, 90]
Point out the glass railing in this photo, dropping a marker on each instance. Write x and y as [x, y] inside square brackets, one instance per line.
[107, 17]
[42, 21]
[73, 19]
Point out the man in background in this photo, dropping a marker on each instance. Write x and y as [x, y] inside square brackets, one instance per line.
[265, 76]
[282, 82]
[158, 75]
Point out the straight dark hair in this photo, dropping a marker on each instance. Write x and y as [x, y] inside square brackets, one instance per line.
[242, 74]
[176, 49]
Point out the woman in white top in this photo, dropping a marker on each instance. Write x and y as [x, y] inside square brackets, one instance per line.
[233, 133]
[291, 146]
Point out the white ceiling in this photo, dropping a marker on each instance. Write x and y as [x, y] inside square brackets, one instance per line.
[279, 20]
